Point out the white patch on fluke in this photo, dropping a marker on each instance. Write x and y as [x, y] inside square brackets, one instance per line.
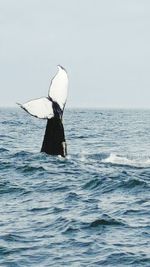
[42, 107]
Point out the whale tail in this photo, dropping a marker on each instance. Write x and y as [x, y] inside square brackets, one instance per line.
[51, 108]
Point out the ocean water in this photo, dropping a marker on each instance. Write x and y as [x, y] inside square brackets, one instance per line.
[90, 209]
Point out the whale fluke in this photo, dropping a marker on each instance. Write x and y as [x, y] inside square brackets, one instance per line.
[40, 108]
[51, 108]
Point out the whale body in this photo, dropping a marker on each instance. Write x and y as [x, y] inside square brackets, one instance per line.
[52, 108]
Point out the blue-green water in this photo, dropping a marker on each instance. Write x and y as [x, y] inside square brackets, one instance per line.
[91, 209]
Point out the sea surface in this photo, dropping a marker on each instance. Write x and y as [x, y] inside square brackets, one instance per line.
[90, 209]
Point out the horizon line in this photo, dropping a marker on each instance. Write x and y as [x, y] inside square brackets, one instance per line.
[88, 107]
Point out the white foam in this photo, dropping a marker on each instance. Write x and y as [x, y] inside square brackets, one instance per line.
[116, 159]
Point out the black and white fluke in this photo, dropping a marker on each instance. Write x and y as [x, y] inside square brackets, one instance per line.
[51, 108]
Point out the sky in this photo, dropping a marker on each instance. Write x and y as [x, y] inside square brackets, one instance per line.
[103, 44]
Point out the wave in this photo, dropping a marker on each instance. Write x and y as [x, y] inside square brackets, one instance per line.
[122, 160]
[105, 222]
[2, 149]
[92, 184]
[142, 161]
[30, 169]
[7, 188]
[22, 154]
[12, 123]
